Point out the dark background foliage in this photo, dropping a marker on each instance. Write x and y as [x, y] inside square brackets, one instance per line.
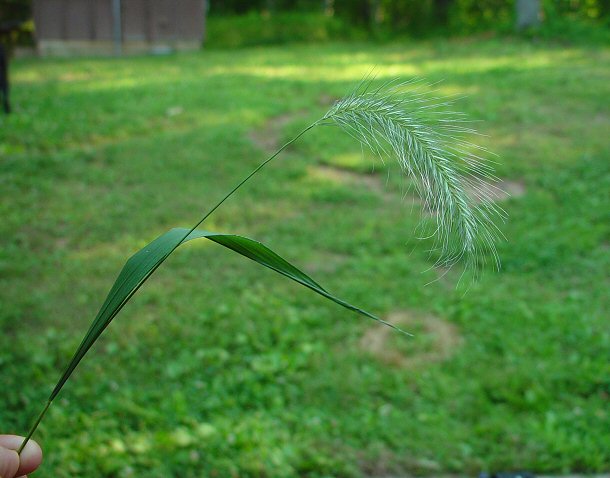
[280, 21]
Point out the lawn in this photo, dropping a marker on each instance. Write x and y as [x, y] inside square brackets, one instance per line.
[221, 368]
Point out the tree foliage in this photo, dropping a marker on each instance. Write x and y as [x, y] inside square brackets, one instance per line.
[420, 16]
[15, 22]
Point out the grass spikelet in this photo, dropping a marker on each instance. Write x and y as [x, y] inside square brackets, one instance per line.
[429, 146]
[451, 174]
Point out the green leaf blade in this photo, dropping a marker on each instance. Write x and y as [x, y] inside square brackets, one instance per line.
[143, 263]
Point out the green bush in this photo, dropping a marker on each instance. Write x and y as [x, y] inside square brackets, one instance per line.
[575, 22]
[260, 29]
[17, 26]
[564, 22]
[472, 16]
[573, 31]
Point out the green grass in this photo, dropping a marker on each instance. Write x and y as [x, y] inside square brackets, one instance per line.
[220, 368]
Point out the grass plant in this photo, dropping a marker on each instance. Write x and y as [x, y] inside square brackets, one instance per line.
[221, 369]
[424, 149]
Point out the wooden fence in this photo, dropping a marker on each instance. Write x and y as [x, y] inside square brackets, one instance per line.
[66, 27]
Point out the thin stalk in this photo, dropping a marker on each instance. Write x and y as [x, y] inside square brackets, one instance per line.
[260, 166]
[34, 427]
[218, 204]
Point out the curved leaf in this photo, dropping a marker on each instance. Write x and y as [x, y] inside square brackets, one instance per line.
[144, 262]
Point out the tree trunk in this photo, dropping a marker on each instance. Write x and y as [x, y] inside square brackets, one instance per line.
[375, 13]
[441, 11]
[4, 80]
[528, 13]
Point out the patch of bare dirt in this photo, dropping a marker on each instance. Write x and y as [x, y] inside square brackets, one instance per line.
[442, 339]
[390, 465]
[326, 262]
[383, 465]
[480, 191]
[497, 192]
[340, 175]
[268, 136]
[327, 100]
[444, 475]
[372, 181]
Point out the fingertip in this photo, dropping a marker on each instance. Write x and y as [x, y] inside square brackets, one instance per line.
[9, 462]
[30, 458]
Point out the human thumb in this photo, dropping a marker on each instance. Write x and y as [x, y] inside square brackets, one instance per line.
[9, 462]
[12, 464]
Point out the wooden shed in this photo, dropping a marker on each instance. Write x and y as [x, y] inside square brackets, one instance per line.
[90, 27]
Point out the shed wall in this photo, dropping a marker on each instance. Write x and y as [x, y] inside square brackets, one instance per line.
[66, 27]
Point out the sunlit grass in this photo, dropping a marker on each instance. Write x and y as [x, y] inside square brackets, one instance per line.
[92, 166]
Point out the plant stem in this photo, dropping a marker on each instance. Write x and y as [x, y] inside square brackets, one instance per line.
[218, 204]
[260, 166]
[239, 185]
[34, 427]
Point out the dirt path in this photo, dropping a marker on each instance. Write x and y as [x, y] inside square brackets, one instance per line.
[442, 340]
